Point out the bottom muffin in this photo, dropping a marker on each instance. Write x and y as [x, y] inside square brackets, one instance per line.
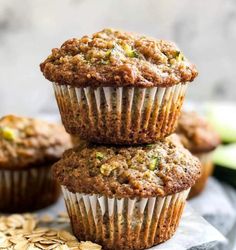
[126, 197]
[27, 189]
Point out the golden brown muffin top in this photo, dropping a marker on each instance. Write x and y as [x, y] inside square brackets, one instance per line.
[144, 171]
[117, 58]
[26, 142]
[196, 133]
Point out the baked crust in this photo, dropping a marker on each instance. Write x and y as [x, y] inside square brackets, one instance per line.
[196, 134]
[26, 142]
[145, 171]
[116, 58]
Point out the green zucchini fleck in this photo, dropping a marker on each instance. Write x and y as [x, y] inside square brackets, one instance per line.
[153, 163]
[130, 52]
[106, 169]
[99, 155]
[108, 53]
[179, 56]
[104, 62]
[8, 133]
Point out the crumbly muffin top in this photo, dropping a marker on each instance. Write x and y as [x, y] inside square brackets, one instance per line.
[196, 134]
[144, 171]
[116, 58]
[26, 142]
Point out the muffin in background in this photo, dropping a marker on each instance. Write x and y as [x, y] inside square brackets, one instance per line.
[126, 197]
[117, 87]
[28, 148]
[198, 136]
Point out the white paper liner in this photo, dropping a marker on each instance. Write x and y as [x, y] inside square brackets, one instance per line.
[124, 223]
[206, 171]
[193, 231]
[27, 189]
[120, 114]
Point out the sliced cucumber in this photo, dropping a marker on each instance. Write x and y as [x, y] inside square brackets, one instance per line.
[224, 159]
[223, 118]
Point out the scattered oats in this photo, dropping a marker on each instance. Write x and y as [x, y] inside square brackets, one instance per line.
[88, 245]
[21, 245]
[5, 244]
[15, 221]
[47, 242]
[51, 233]
[33, 247]
[36, 239]
[29, 225]
[3, 237]
[66, 236]
[72, 243]
[34, 234]
[23, 232]
[17, 239]
[63, 214]
[41, 230]
[63, 247]
[3, 226]
[62, 220]
[59, 240]
[46, 218]
[41, 246]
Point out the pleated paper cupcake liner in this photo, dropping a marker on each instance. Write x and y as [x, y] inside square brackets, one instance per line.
[27, 189]
[124, 223]
[206, 172]
[120, 115]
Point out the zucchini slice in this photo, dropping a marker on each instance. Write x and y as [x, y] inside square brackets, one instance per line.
[223, 118]
[224, 159]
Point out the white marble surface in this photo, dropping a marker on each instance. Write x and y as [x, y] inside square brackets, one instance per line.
[205, 30]
[215, 205]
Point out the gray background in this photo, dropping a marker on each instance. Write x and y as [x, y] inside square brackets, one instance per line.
[204, 29]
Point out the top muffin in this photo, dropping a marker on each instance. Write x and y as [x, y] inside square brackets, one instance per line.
[25, 142]
[116, 58]
[196, 133]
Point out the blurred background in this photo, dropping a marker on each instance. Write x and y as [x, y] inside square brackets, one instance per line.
[205, 30]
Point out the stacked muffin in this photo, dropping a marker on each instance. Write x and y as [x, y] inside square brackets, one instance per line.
[122, 93]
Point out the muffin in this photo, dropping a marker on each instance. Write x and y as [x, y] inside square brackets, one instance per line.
[126, 197]
[197, 135]
[28, 148]
[118, 87]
